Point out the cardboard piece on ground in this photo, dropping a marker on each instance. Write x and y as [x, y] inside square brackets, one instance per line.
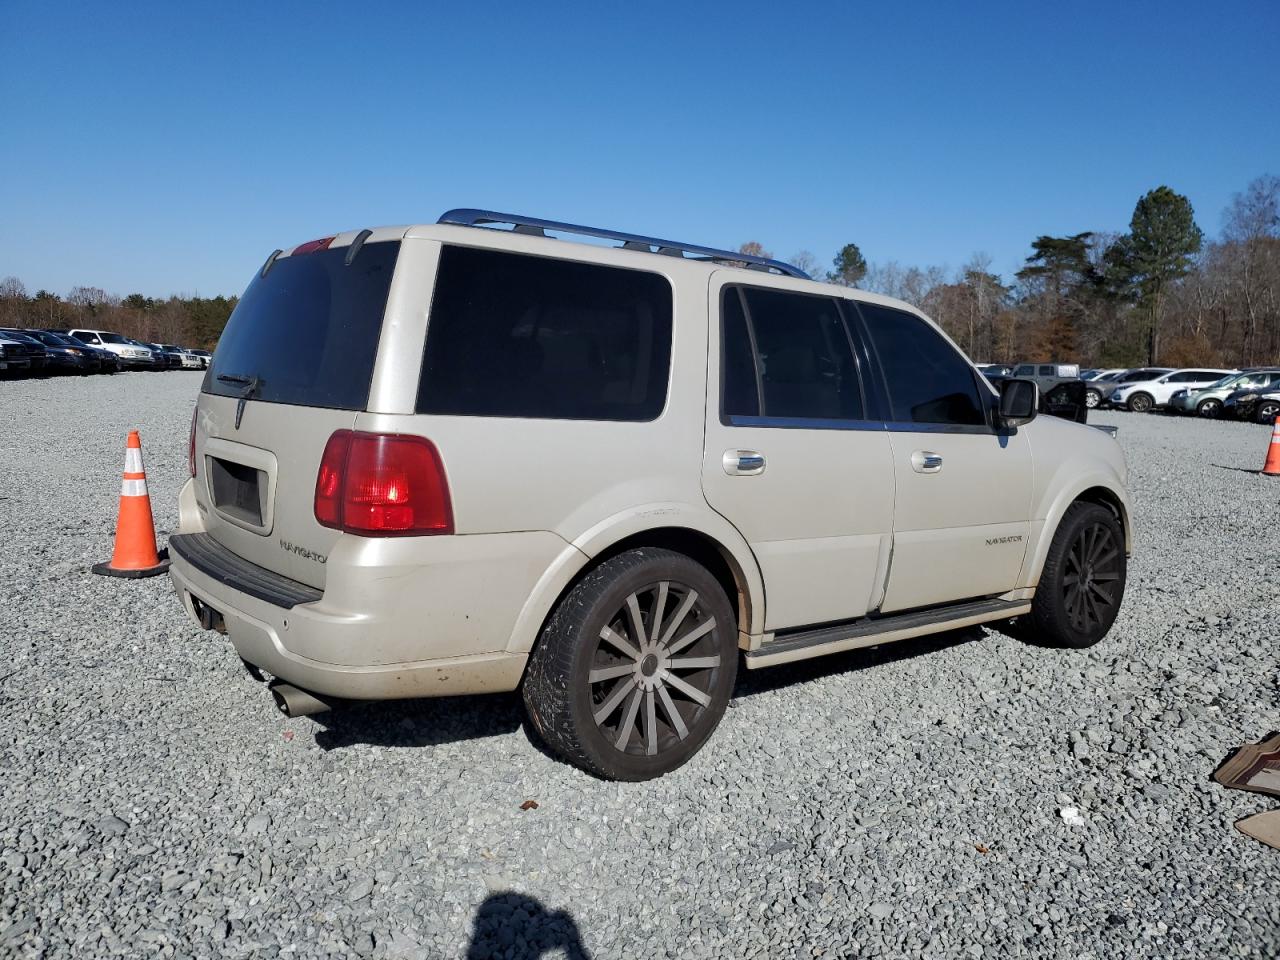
[1262, 826]
[1254, 767]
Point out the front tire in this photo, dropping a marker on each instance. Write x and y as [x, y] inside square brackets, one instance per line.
[1092, 398]
[1082, 584]
[1140, 402]
[1210, 408]
[1267, 411]
[634, 669]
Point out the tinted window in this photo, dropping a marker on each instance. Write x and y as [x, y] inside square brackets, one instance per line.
[1026, 370]
[928, 381]
[805, 362]
[739, 387]
[520, 336]
[308, 330]
[1046, 371]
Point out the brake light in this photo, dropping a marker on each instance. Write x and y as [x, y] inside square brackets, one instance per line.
[191, 443]
[311, 246]
[380, 485]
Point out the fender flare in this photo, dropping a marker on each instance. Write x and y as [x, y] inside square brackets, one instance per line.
[591, 543]
[1110, 485]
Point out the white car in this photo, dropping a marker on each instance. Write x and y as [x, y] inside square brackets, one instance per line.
[1143, 395]
[131, 353]
[455, 458]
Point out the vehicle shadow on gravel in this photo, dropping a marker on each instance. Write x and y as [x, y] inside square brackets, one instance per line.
[420, 723]
[515, 926]
[433, 721]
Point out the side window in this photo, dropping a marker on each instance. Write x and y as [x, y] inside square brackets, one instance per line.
[519, 336]
[802, 364]
[740, 390]
[1046, 371]
[928, 381]
[1026, 370]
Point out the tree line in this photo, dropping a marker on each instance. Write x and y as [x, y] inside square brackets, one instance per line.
[1159, 293]
[187, 321]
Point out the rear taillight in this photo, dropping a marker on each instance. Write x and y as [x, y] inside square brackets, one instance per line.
[381, 485]
[191, 443]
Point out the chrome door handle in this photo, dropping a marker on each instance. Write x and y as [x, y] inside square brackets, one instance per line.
[925, 461]
[743, 463]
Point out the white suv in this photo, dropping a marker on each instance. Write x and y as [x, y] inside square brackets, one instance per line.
[454, 458]
[1143, 395]
[130, 352]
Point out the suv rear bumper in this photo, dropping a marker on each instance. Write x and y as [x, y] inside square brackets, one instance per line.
[263, 632]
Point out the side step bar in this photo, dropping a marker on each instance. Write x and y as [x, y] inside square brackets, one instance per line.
[802, 644]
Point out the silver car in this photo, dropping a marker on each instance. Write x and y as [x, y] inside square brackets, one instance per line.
[1207, 401]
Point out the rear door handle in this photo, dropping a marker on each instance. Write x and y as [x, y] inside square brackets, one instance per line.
[743, 463]
[926, 461]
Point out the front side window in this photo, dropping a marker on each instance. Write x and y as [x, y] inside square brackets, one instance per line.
[512, 335]
[1026, 370]
[928, 380]
[787, 355]
[1046, 371]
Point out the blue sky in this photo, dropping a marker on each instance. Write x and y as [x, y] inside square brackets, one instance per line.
[169, 147]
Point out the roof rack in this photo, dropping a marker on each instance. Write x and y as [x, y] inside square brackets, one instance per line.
[466, 217]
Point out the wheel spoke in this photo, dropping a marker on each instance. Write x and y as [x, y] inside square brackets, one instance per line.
[1105, 577]
[700, 630]
[1101, 540]
[1102, 594]
[1092, 613]
[1070, 579]
[677, 618]
[615, 698]
[608, 634]
[624, 731]
[608, 673]
[659, 608]
[673, 715]
[637, 622]
[692, 692]
[1107, 557]
[650, 724]
[693, 663]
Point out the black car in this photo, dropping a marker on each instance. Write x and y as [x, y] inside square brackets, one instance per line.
[66, 353]
[167, 357]
[24, 352]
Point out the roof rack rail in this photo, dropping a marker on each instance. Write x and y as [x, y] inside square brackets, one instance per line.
[467, 217]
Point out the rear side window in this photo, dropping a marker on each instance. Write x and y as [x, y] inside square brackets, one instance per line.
[928, 381]
[307, 333]
[1046, 371]
[787, 355]
[1026, 370]
[519, 336]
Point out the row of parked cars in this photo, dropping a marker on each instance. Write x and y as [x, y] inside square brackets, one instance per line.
[1249, 394]
[36, 352]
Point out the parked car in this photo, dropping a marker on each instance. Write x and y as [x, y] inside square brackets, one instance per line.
[1140, 396]
[1267, 406]
[132, 354]
[204, 356]
[168, 356]
[190, 359]
[15, 356]
[65, 354]
[26, 353]
[1208, 401]
[1103, 375]
[544, 482]
[995, 369]
[1250, 403]
[1099, 393]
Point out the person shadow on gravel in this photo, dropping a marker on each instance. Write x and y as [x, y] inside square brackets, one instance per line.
[511, 925]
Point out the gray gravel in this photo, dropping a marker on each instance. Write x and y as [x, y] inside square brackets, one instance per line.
[907, 801]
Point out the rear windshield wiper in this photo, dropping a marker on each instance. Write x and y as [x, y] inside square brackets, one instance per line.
[251, 384]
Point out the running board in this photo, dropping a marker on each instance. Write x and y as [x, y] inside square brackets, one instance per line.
[868, 633]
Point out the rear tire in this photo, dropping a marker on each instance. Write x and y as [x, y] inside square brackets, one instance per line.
[1140, 402]
[633, 671]
[1082, 584]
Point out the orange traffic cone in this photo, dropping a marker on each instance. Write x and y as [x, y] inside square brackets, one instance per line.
[135, 553]
[1272, 466]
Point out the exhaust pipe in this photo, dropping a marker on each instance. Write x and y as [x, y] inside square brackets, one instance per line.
[293, 702]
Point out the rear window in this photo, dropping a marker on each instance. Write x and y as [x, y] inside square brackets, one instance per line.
[308, 331]
[519, 336]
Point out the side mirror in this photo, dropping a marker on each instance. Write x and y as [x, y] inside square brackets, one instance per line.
[1019, 402]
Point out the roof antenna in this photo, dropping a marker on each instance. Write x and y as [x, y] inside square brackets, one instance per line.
[356, 244]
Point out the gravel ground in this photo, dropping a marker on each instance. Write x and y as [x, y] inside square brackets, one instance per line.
[896, 802]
